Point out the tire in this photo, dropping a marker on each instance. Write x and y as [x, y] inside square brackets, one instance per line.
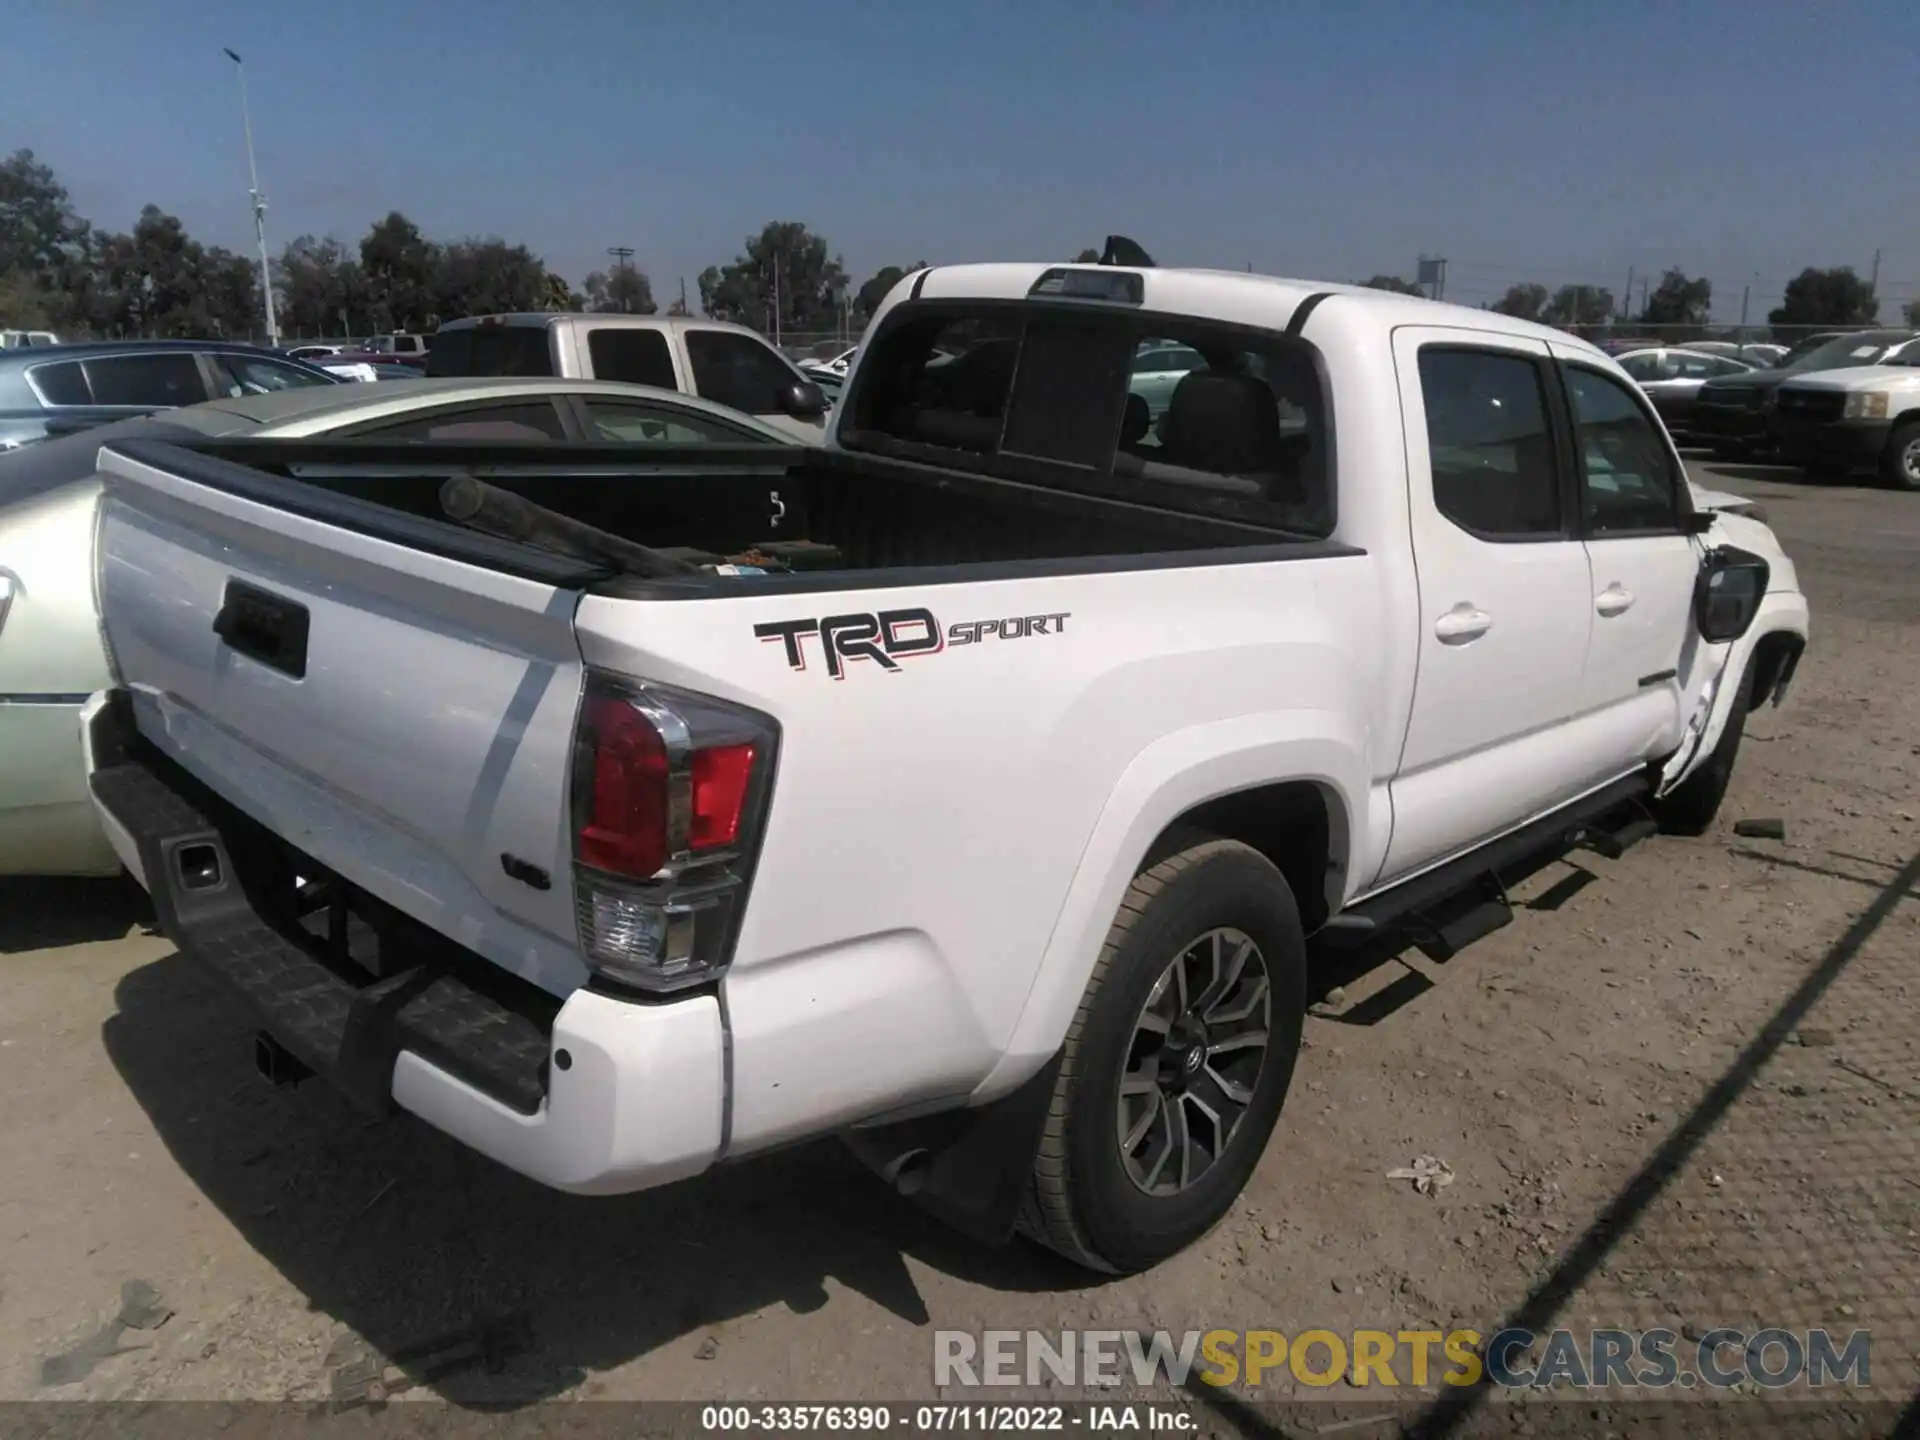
[1082, 1200]
[1690, 808]
[1900, 461]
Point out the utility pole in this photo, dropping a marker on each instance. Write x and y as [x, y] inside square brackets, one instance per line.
[259, 203]
[1626, 296]
[1873, 284]
[776, 300]
[622, 260]
[1643, 297]
[1745, 292]
[683, 295]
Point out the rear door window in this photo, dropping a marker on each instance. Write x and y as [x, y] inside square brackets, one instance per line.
[631, 356]
[622, 422]
[492, 350]
[1490, 443]
[518, 420]
[237, 375]
[738, 371]
[158, 380]
[61, 384]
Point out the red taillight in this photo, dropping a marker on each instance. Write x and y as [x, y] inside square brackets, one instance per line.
[669, 793]
[625, 828]
[720, 778]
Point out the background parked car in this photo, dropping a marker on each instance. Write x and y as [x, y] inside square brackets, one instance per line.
[50, 655]
[1760, 354]
[1157, 370]
[1671, 379]
[1730, 413]
[1835, 422]
[400, 347]
[47, 392]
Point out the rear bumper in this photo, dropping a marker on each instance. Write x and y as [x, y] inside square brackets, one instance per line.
[1830, 443]
[599, 1095]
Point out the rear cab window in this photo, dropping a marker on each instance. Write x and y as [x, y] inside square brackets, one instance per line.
[493, 350]
[1180, 413]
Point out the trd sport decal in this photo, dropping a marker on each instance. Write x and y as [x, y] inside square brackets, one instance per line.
[895, 635]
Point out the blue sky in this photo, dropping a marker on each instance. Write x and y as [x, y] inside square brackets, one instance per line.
[1541, 140]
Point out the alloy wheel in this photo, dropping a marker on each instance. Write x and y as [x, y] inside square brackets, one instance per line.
[1193, 1062]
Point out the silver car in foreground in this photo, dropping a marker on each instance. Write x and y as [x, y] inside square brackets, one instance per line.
[50, 650]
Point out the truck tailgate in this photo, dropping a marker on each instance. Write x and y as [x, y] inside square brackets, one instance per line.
[402, 717]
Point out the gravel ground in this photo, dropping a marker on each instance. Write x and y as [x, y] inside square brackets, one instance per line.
[1682, 1090]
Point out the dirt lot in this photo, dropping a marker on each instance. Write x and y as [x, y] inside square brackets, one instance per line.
[1683, 1088]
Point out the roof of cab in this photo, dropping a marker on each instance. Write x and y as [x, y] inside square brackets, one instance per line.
[1269, 301]
[545, 318]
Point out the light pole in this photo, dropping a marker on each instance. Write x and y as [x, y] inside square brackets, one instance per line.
[259, 204]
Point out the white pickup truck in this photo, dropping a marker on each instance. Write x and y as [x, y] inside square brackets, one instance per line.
[977, 786]
[728, 364]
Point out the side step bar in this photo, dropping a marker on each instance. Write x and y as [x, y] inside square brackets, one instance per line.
[1446, 909]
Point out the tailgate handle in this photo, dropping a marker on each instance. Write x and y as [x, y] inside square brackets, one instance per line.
[264, 627]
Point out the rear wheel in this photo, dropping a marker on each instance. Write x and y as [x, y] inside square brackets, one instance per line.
[1690, 808]
[1176, 1064]
[1900, 461]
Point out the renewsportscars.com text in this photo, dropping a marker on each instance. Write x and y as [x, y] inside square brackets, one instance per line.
[1513, 1358]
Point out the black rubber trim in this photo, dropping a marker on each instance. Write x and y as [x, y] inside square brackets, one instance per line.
[1304, 311]
[919, 283]
[803, 582]
[257, 470]
[335, 1018]
[1659, 677]
[56, 699]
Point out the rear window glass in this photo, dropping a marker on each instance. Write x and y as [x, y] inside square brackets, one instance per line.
[492, 350]
[1185, 414]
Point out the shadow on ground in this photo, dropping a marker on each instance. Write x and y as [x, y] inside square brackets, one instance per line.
[401, 1234]
[39, 913]
[1456, 1410]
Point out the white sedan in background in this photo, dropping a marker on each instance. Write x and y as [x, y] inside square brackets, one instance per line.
[50, 651]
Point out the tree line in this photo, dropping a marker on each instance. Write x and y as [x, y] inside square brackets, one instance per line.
[1814, 298]
[59, 271]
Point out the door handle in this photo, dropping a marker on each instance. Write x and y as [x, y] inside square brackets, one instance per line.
[1616, 599]
[1462, 623]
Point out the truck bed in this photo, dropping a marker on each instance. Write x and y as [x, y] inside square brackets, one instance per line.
[882, 516]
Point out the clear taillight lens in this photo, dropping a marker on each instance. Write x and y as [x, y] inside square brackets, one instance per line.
[670, 792]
